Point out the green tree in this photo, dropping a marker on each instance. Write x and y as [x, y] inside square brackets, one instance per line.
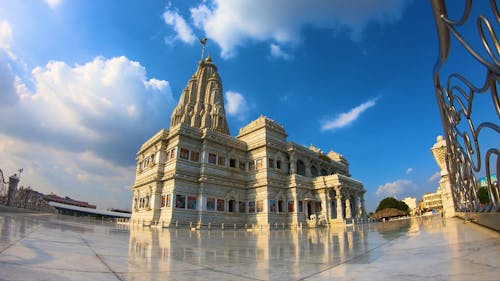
[483, 196]
[391, 202]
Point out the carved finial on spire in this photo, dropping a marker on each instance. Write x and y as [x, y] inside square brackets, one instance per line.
[203, 42]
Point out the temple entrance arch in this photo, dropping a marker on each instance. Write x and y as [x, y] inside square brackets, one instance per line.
[232, 206]
[314, 171]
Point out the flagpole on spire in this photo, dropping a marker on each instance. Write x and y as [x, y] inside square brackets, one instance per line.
[203, 42]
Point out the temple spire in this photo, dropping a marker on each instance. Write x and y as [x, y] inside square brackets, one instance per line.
[201, 104]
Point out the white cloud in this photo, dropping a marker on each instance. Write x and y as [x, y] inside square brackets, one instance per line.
[53, 4]
[5, 35]
[182, 29]
[409, 171]
[434, 177]
[394, 188]
[77, 128]
[82, 100]
[236, 105]
[233, 23]
[156, 85]
[277, 52]
[347, 118]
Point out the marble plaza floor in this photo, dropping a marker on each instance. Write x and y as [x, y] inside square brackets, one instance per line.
[44, 247]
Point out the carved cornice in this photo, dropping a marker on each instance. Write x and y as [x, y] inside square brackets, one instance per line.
[338, 182]
[160, 135]
[223, 139]
[262, 122]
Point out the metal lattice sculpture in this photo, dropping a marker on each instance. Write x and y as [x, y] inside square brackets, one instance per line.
[456, 95]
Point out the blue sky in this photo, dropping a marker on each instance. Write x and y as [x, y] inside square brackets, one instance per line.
[84, 83]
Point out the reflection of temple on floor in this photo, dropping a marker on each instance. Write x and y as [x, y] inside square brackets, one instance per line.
[197, 173]
[160, 248]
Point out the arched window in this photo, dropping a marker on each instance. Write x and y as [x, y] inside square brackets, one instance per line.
[314, 171]
[232, 206]
[301, 168]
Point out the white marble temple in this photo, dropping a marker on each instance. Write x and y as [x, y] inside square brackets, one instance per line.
[38, 247]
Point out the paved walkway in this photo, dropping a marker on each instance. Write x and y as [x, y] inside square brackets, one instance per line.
[37, 247]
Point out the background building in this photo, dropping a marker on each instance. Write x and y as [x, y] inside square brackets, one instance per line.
[412, 203]
[433, 201]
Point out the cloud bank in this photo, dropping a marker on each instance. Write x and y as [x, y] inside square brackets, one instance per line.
[277, 52]
[74, 128]
[183, 31]
[394, 188]
[5, 35]
[232, 24]
[53, 4]
[434, 177]
[236, 105]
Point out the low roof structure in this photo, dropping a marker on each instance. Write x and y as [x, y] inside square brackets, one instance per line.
[89, 211]
[388, 213]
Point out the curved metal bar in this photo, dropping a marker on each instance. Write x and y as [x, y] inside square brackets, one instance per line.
[494, 94]
[465, 15]
[487, 125]
[471, 86]
[471, 51]
[493, 190]
[439, 10]
[481, 21]
[494, 7]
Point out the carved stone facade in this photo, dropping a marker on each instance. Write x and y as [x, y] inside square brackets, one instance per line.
[197, 174]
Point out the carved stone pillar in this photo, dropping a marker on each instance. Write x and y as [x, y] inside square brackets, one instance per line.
[347, 208]
[363, 210]
[326, 204]
[307, 164]
[355, 206]
[201, 201]
[338, 196]
[293, 164]
[156, 201]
